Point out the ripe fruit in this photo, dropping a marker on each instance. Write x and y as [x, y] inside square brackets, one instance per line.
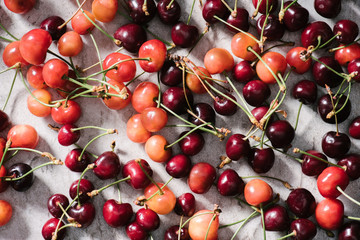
[257, 192]
[198, 226]
[5, 212]
[329, 213]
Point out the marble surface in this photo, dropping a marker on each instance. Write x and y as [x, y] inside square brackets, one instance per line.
[30, 211]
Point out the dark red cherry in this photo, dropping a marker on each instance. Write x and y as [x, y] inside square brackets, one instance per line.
[51, 25]
[107, 165]
[18, 170]
[301, 203]
[280, 133]
[296, 17]
[271, 5]
[352, 164]
[73, 163]
[117, 214]
[174, 99]
[315, 29]
[4, 120]
[132, 36]
[170, 74]
[328, 8]
[261, 160]
[256, 92]
[85, 187]
[348, 30]
[354, 128]
[241, 20]
[305, 91]
[184, 35]
[66, 137]
[147, 219]
[259, 113]
[276, 219]
[325, 107]
[172, 233]
[137, 13]
[350, 231]
[202, 111]
[138, 179]
[224, 106]
[54, 202]
[185, 205]
[304, 229]
[169, 15]
[312, 166]
[49, 229]
[273, 29]
[83, 214]
[243, 72]
[135, 232]
[323, 75]
[192, 144]
[202, 177]
[178, 166]
[213, 8]
[354, 67]
[335, 145]
[230, 184]
[237, 147]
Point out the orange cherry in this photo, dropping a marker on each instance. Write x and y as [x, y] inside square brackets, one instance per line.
[23, 136]
[144, 95]
[239, 46]
[104, 10]
[199, 225]
[70, 44]
[161, 204]
[155, 149]
[81, 24]
[257, 191]
[136, 131]
[218, 60]
[277, 64]
[37, 108]
[117, 103]
[193, 82]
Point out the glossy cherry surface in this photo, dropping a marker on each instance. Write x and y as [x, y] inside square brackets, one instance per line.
[83, 214]
[169, 15]
[53, 204]
[172, 233]
[296, 17]
[349, 231]
[170, 74]
[328, 8]
[261, 160]
[311, 33]
[230, 183]
[192, 144]
[352, 164]
[135, 232]
[174, 99]
[301, 202]
[348, 30]
[201, 178]
[49, 228]
[304, 229]
[107, 165]
[117, 214]
[329, 213]
[131, 35]
[354, 67]
[335, 145]
[354, 128]
[280, 133]
[178, 166]
[237, 147]
[271, 5]
[240, 21]
[66, 136]
[256, 92]
[51, 25]
[325, 107]
[243, 72]
[85, 187]
[305, 91]
[273, 29]
[202, 111]
[147, 219]
[276, 219]
[18, 170]
[213, 8]
[184, 35]
[138, 179]
[224, 106]
[312, 166]
[137, 13]
[323, 75]
[331, 178]
[73, 163]
[185, 205]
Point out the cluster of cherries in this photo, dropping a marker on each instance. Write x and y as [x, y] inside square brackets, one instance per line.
[183, 79]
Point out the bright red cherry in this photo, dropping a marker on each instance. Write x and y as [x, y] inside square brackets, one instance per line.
[66, 114]
[156, 51]
[20, 6]
[124, 71]
[329, 213]
[201, 178]
[12, 55]
[330, 179]
[117, 214]
[34, 45]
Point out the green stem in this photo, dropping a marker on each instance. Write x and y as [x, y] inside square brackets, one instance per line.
[98, 54]
[112, 184]
[263, 220]
[298, 116]
[191, 11]
[238, 94]
[317, 158]
[136, 77]
[208, 229]
[92, 140]
[346, 100]
[149, 177]
[293, 233]
[81, 94]
[63, 210]
[353, 218]
[159, 86]
[185, 135]
[347, 196]
[235, 223]
[331, 69]
[198, 40]
[119, 193]
[286, 154]
[89, 127]
[194, 216]
[330, 40]
[3, 28]
[344, 46]
[245, 221]
[61, 58]
[11, 88]
[29, 172]
[16, 65]
[6, 39]
[78, 185]
[162, 187]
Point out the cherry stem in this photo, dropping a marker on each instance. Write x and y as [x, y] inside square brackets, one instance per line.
[42, 154]
[208, 229]
[262, 40]
[93, 155]
[244, 221]
[158, 38]
[263, 220]
[6, 39]
[298, 116]
[238, 94]
[263, 133]
[201, 120]
[257, 9]
[297, 150]
[346, 100]
[148, 176]
[77, 225]
[331, 69]
[159, 86]
[254, 213]
[333, 112]
[90, 166]
[11, 88]
[347, 196]
[283, 10]
[227, 5]
[205, 77]
[7, 146]
[119, 193]
[330, 40]
[88, 127]
[353, 218]
[63, 210]
[344, 46]
[63, 59]
[96, 192]
[286, 184]
[286, 154]
[145, 9]
[179, 231]
[200, 37]
[11, 179]
[16, 65]
[98, 54]
[136, 77]
[234, 13]
[72, 95]
[191, 11]
[194, 216]
[293, 233]
[100, 62]
[1, 26]
[72, 16]
[169, 5]
[162, 187]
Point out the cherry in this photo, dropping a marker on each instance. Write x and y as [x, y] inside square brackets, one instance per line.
[218, 60]
[354, 128]
[68, 114]
[257, 191]
[224, 106]
[241, 20]
[85, 187]
[230, 184]
[348, 30]
[329, 213]
[81, 24]
[325, 107]
[184, 35]
[156, 51]
[143, 96]
[153, 119]
[147, 219]
[202, 176]
[303, 229]
[35, 78]
[261, 160]
[24, 136]
[107, 165]
[104, 11]
[273, 29]
[12, 55]
[117, 214]
[256, 92]
[200, 227]
[17, 170]
[178, 166]
[280, 133]
[5, 212]
[352, 164]
[136, 131]
[172, 233]
[3, 173]
[157, 150]
[124, 71]
[185, 205]
[354, 67]
[310, 34]
[35, 107]
[20, 6]
[174, 99]
[192, 144]
[83, 214]
[347, 54]
[301, 202]
[295, 62]
[51, 24]
[132, 36]
[54, 202]
[66, 136]
[193, 81]
[53, 72]
[328, 8]
[237, 147]
[259, 113]
[170, 74]
[296, 17]
[312, 166]
[213, 8]
[169, 15]
[330, 179]
[276, 219]
[117, 103]
[275, 61]
[349, 231]
[243, 72]
[70, 44]
[135, 232]
[49, 228]
[202, 111]
[160, 203]
[34, 45]
[137, 13]
[240, 44]
[305, 91]
[271, 5]
[335, 145]
[138, 179]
